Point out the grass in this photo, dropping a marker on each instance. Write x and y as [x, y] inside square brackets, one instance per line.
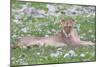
[45, 27]
[51, 55]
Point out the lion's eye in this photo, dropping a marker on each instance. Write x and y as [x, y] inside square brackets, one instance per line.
[70, 26]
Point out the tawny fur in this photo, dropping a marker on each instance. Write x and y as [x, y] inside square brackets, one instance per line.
[68, 36]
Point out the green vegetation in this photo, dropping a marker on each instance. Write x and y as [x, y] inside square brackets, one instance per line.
[48, 55]
[26, 24]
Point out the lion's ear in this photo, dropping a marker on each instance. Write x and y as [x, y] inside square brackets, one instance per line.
[63, 22]
[72, 19]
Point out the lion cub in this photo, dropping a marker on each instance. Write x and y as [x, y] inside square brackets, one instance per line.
[68, 36]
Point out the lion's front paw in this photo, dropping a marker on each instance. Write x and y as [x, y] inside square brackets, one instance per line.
[91, 43]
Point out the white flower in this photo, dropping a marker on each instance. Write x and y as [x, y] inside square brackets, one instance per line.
[92, 36]
[59, 49]
[90, 31]
[46, 35]
[82, 55]
[48, 31]
[66, 55]
[53, 30]
[22, 61]
[16, 20]
[39, 30]
[12, 58]
[14, 36]
[38, 53]
[39, 24]
[56, 54]
[72, 53]
[24, 30]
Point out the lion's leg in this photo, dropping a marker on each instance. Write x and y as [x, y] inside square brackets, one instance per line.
[86, 43]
